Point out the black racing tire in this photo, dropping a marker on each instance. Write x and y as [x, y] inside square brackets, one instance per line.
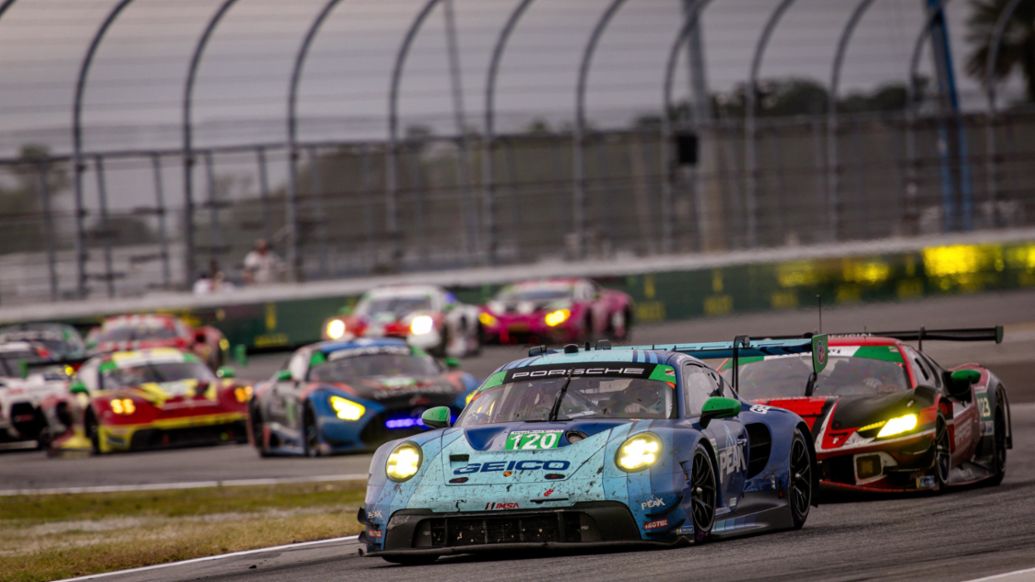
[942, 449]
[1000, 444]
[703, 494]
[799, 496]
[310, 432]
[416, 560]
[255, 425]
[91, 431]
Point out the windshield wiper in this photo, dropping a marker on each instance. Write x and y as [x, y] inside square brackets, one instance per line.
[560, 396]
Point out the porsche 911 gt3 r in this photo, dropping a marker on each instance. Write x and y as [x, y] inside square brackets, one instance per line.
[887, 417]
[346, 396]
[581, 448]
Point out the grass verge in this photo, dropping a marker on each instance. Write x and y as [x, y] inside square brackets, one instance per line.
[59, 536]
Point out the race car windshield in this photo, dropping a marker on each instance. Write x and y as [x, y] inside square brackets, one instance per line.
[156, 373]
[787, 376]
[373, 366]
[53, 340]
[396, 306]
[10, 363]
[535, 294]
[128, 333]
[562, 399]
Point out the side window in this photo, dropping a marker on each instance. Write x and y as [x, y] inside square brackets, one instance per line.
[935, 369]
[299, 364]
[699, 384]
[921, 371]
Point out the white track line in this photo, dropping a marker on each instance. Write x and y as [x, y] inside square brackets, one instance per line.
[212, 558]
[184, 485]
[1025, 574]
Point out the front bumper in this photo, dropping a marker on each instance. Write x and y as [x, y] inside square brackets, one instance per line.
[171, 433]
[895, 466]
[587, 524]
[522, 328]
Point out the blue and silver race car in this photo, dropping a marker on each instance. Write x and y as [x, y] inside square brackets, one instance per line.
[595, 447]
[346, 396]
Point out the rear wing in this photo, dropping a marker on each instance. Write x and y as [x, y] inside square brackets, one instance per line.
[744, 346]
[961, 334]
[69, 366]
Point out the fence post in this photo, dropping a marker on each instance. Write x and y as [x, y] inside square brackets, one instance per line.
[77, 143]
[991, 150]
[578, 141]
[667, 107]
[488, 145]
[264, 193]
[294, 256]
[463, 164]
[750, 152]
[215, 232]
[106, 230]
[188, 151]
[833, 164]
[48, 228]
[161, 211]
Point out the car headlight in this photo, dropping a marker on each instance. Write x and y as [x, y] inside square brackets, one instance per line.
[422, 324]
[123, 406]
[403, 462]
[638, 452]
[487, 319]
[243, 394]
[346, 409]
[335, 329]
[557, 317]
[898, 425]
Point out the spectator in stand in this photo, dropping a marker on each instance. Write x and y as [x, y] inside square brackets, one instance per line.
[262, 266]
[212, 281]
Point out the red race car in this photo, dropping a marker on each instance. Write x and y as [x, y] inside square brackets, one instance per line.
[146, 399]
[887, 417]
[137, 332]
[556, 311]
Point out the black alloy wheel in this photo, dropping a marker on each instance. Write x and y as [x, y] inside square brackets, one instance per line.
[800, 480]
[310, 433]
[942, 454]
[702, 494]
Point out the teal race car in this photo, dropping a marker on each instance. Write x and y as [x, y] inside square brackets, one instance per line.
[601, 446]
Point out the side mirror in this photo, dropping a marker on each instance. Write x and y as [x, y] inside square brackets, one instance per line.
[240, 354]
[960, 382]
[226, 372]
[437, 417]
[719, 407]
[451, 363]
[283, 376]
[78, 387]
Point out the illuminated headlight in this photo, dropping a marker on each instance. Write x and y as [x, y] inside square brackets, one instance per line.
[404, 462]
[335, 329]
[897, 426]
[243, 393]
[557, 317]
[346, 409]
[487, 319]
[422, 324]
[123, 406]
[224, 344]
[638, 452]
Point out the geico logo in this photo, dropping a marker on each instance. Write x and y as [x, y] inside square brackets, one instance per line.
[579, 372]
[526, 465]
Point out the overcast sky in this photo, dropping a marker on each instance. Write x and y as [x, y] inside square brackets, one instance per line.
[135, 87]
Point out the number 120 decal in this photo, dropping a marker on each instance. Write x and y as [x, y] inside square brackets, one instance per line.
[528, 440]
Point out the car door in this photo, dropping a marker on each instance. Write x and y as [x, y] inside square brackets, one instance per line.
[727, 436]
[966, 422]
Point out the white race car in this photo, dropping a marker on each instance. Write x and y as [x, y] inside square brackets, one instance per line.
[20, 397]
[428, 317]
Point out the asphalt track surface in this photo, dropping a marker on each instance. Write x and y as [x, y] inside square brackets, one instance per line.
[956, 536]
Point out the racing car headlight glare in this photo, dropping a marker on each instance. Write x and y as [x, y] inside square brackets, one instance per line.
[335, 329]
[422, 324]
[638, 452]
[486, 319]
[557, 317]
[123, 406]
[243, 394]
[898, 425]
[346, 409]
[403, 462]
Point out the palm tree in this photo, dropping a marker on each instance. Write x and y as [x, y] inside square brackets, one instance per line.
[1018, 45]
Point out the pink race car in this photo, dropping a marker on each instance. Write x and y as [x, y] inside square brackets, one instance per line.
[556, 311]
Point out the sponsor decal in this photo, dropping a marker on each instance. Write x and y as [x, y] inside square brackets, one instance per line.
[548, 492]
[652, 503]
[501, 505]
[623, 370]
[374, 534]
[687, 529]
[656, 524]
[523, 465]
[532, 439]
[759, 409]
[376, 514]
[984, 407]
